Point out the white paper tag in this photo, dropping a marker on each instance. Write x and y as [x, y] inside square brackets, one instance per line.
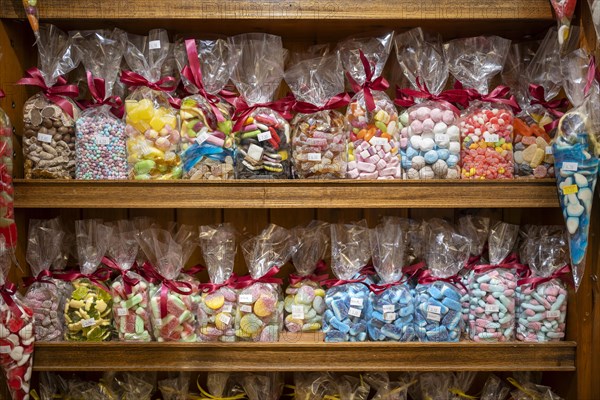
[434, 309]
[355, 312]
[157, 323]
[548, 149]
[5, 349]
[553, 314]
[154, 44]
[434, 317]
[224, 318]
[570, 166]
[121, 312]
[387, 308]
[264, 136]
[314, 156]
[86, 323]
[44, 137]
[227, 308]
[389, 316]
[102, 140]
[492, 308]
[202, 138]
[356, 301]
[246, 298]
[378, 141]
[491, 137]
[246, 308]
[297, 312]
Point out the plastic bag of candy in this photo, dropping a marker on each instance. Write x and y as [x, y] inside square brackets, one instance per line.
[135, 385]
[387, 389]
[175, 387]
[460, 384]
[263, 385]
[349, 387]
[435, 385]
[8, 227]
[311, 385]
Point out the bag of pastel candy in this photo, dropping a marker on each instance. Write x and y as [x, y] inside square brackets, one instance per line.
[486, 126]
[437, 297]
[492, 287]
[542, 295]
[218, 305]
[262, 385]
[347, 298]
[207, 145]
[131, 308]
[49, 116]
[100, 132]
[88, 309]
[319, 132]
[390, 315]
[44, 295]
[430, 142]
[373, 151]
[261, 130]
[259, 315]
[171, 294]
[305, 297]
[151, 122]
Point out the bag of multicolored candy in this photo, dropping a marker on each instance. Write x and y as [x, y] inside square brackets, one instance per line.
[486, 126]
[207, 144]
[260, 301]
[319, 133]
[431, 141]
[373, 151]
[262, 132]
[305, 297]
[390, 315]
[347, 299]
[542, 296]
[218, 304]
[151, 122]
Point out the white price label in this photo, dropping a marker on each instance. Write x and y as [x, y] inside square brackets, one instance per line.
[158, 323]
[297, 312]
[387, 308]
[491, 137]
[5, 349]
[314, 156]
[264, 136]
[356, 301]
[202, 138]
[86, 323]
[154, 44]
[227, 308]
[102, 140]
[246, 298]
[434, 317]
[553, 314]
[224, 318]
[246, 308]
[121, 312]
[434, 309]
[389, 316]
[492, 308]
[378, 141]
[355, 312]
[44, 137]
[548, 149]
[570, 166]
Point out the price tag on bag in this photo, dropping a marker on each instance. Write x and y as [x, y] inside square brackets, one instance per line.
[297, 311]
[122, 312]
[378, 141]
[571, 189]
[246, 298]
[570, 166]
[434, 317]
[389, 308]
[389, 316]
[553, 314]
[227, 308]
[102, 140]
[492, 308]
[356, 301]
[5, 349]
[246, 308]
[314, 156]
[264, 136]
[491, 137]
[86, 323]
[548, 149]
[224, 318]
[44, 137]
[154, 44]
[355, 312]
[434, 309]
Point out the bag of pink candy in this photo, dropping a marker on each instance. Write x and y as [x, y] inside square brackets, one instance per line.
[17, 334]
[218, 303]
[542, 295]
[486, 126]
[131, 308]
[431, 140]
[373, 150]
[8, 227]
[173, 312]
[259, 315]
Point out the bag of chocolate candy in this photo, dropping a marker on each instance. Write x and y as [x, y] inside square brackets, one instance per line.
[259, 315]
[49, 116]
[218, 304]
[305, 297]
[262, 385]
[261, 131]
[175, 387]
[373, 149]
[319, 132]
[151, 122]
[390, 315]
[207, 143]
[100, 132]
[347, 299]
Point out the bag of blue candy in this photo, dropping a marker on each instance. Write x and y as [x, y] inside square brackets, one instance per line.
[347, 299]
[438, 310]
[391, 311]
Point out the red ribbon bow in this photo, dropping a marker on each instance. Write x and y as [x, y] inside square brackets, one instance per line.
[128, 281]
[407, 97]
[425, 278]
[193, 270]
[166, 84]
[56, 93]
[246, 281]
[563, 273]
[510, 262]
[337, 282]
[166, 285]
[213, 287]
[538, 96]
[413, 270]
[377, 289]
[2, 94]
[8, 290]
[321, 267]
[592, 74]
[337, 101]
[242, 110]
[472, 262]
[498, 95]
[97, 278]
[45, 276]
[98, 91]
[379, 84]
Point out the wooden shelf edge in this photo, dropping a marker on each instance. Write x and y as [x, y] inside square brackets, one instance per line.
[368, 356]
[286, 194]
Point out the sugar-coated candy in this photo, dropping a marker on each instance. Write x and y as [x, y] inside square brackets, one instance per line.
[88, 312]
[216, 315]
[259, 313]
[438, 312]
[304, 306]
[345, 319]
[8, 228]
[532, 150]
[46, 300]
[131, 308]
[178, 324]
[541, 312]
[392, 315]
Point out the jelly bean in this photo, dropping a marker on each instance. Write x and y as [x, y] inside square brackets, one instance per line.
[131, 309]
[544, 321]
[88, 312]
[347, 321]
[391, 315]
[259, 313]
[533, 156]
[434, 321]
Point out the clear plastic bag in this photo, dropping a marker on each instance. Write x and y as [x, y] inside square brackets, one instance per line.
[305, 297]
[101, 152]
[260, 301]
[131, 308]
[207, 143]
[486, 127]
[492, 288]
[151, 122]
[390, 315]
[176, 387]
[94, 322]
[220, 386]
[171, 297]
[8, 227]
[310, 385]
[319, 138]
[387, 389]
[218, 305]
[49, 129]
[564, 11]
[348, 387]
[135, 386]
[373, 149]
[460, 385]
[51, 386]
[262, 385]
[262, 133]
[494, 389]
[435, 385]
[347, 300]
[431, 140]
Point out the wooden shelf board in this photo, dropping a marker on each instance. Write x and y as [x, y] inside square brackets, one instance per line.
[463, 356]
[285, 194]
